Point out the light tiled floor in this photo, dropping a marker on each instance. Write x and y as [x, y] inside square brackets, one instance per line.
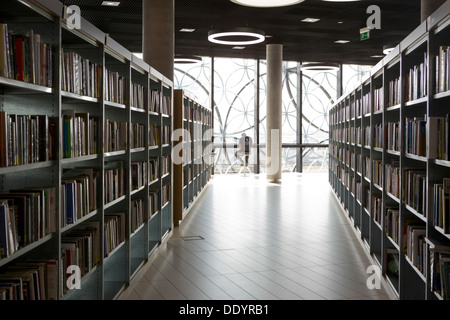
[261, 241]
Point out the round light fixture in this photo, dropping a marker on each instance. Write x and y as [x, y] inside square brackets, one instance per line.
[185, 58]
[387, 49]
[319, 66]
[236, 36]
[267, 3]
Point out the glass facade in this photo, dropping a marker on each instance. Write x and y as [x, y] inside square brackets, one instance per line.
[235, 100]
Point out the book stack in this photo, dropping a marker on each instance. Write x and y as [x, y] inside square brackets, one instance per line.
[393, 136]
[116, 136]
[138, 175]
[81, 134]
[116, 88]
[153, 198]
[79, 75]
[138, 98]
[30, 280]
[137, 136]
[80, 248]
[416, 81]
[26, 139]
[137, 214]
[155, 101]
[26, 216]
[416, 136]
[79, 194]
[114, 231]
[441, 205]
[394, 92]
[25, 57]
[115, 183]
[155, 135]
[153, 168]
[392, 224]
[443, 69]
[415, 189]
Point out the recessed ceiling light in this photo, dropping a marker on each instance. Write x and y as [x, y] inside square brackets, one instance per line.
[340, 22]
[183, 58]
[238, 48]
[319, 66]
[310, 20]
[387, 49]
[269, 36]
[187, 30]
[111, 3]
[267, 3]
[342, 41]
[377, 56]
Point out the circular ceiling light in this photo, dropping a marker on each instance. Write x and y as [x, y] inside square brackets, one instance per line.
[319, 66]
[267, 3]
[185, 58]
[388, 48]
[236, 36]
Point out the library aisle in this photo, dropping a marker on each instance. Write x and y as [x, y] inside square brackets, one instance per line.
[247, 239]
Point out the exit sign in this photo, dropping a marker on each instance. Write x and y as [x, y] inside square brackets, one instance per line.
[364, 34]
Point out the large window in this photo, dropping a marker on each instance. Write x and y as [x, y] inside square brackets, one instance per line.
[235, 95]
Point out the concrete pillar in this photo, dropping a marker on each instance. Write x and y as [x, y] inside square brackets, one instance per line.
[428, 7]
[274, 110]
[158, 35]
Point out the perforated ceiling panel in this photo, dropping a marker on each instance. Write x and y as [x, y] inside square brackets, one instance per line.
[302, 41]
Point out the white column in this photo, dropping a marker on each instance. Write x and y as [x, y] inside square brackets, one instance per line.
[274, 110]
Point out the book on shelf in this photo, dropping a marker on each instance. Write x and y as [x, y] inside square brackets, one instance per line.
[165, 194]
[80, 75]
[439, 268]
[392, 174]
[443, 70]
[137, 214]
[393, 136]
[138, 174]
[115, 180]
[441, 205]
[438, 146]
[25, 56]
[394, 92]
[114, 231]
[416, 136]
[137, 135]
[80, 247]
[153, 168]
[392, 224]
[116, 136]
[416, 245]
[166, 105]
[155, 101]
[154, 135]
[138, 97]
[378, 173]
[80, 134]
[376, 208]
[154, 201]
[378, 99]
[78, 194]
[116, 87]
[415, 189]
[416, 81]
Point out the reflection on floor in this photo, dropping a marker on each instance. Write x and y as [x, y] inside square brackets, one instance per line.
[249, 239]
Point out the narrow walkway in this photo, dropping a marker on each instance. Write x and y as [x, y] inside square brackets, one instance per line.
[249, 239]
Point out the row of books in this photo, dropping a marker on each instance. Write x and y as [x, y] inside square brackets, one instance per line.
[160, 103]
[378, 99]
[114, 231]
[115, 181]
[116, 134]
[416, 81]
[154, 135]
[415, 245]
[441, 205]
[79, 75]
[26, 216]
[394, 92]
[443, 69]
[165, 164]
[154, 201]
[378, 135]
[393, 136]
[376, 210]
[415, 189]
[153, 168]
[166, 135]
[138, 98]
[139, 171]
[137, 136]
[378, 174]
[392, 224]
[24, 56]
[26, 139]
[78, 194]
[440, 270]
[366, 104]
[392, 175]
[30, 280]
[116, 87]
[80, 248]
[81, 134]
[137, 214]
[416, 136]
[439, 141]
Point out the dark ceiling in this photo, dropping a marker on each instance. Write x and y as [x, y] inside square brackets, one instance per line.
[313, 42]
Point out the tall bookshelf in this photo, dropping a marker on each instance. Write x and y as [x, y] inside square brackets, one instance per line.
[385, 164]
[194, 147]
[106, 140]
